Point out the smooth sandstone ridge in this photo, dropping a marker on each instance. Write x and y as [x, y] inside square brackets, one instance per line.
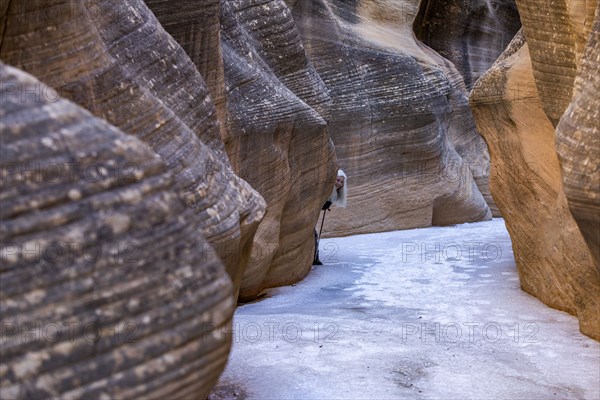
[108, 287]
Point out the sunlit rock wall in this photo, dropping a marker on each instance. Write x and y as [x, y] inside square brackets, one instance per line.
[114, 58]
[470, 33]
[108, 288]
[552, 258]
[399, 119]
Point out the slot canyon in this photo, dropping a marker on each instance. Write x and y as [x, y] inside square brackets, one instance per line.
[161, 226]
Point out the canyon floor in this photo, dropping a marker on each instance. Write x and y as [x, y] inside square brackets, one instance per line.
[434, 313]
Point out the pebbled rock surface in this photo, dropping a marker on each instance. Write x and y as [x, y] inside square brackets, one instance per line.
[114, 58]
[553, 260]
[470, 33]
[578, 144]
[399, 118]
[108, 287]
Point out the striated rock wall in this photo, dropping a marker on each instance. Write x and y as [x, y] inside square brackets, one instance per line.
[399, 119]
[517, 104]
[226, 109]
[196, 26]
[107, 286]
[578, 144]
[272, 125]
[556, 32]
[279, 140]
[470, 33]
[553, 261]
[114, 58]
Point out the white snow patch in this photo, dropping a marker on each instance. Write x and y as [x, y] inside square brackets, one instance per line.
[433, 313]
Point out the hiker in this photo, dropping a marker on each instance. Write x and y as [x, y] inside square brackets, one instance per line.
[338, 198]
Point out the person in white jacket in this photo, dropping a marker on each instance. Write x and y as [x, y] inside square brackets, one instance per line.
[338, 198]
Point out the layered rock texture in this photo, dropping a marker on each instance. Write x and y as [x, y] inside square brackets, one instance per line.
[272, 69]
[578, 144]
[107, 286]
[557, 33]
[276, 105]
[273, 123]
[201, 133]
[470, 33]
[516, 105]
[399, 119]
[114, 58]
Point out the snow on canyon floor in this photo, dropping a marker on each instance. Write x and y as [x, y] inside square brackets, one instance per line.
[434, 313]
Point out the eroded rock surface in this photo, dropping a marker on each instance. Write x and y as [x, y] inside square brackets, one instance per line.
[578, 145]
[556, 33]
[196, 26]
[470, 33]
[114, 58]
[399, 119]
[279, 140]
[553, 261]
[272, 122]
[107, 286]
[277, 107]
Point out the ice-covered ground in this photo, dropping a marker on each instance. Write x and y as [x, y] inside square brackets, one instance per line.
[433, 313]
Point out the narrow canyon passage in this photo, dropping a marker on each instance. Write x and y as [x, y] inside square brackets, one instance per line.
[433, 313]
[164, 164]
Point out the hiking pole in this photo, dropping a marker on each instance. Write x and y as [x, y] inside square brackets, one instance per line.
[321, 230]
[316, 260]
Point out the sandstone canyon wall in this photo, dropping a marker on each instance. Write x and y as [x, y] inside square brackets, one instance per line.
[108, 287]
[517, 104]
[230, 111]
[399, 119]
[470, 33]
[272, 120]
[578, 144]
[114, 58]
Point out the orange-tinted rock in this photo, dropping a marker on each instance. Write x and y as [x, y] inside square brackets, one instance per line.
[556, 33]
[553, 261]
[578, 145]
